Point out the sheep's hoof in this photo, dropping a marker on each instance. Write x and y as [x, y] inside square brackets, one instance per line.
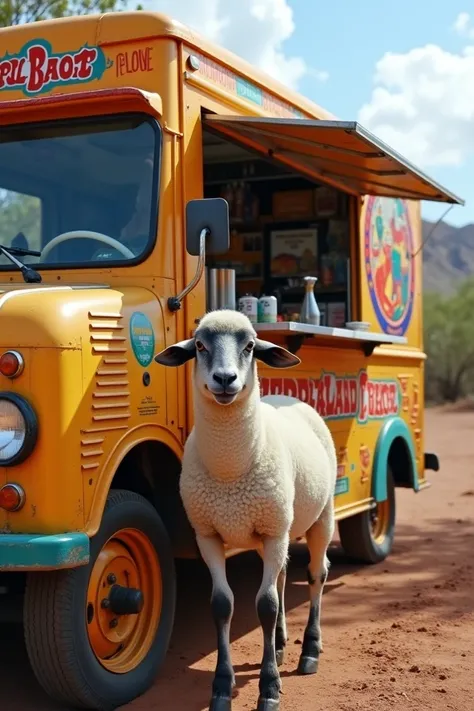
[280, 657]
[308, 665]
[268, 704]
[220, 703]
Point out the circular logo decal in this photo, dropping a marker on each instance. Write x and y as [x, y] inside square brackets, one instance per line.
[142, 337]
[389, 264]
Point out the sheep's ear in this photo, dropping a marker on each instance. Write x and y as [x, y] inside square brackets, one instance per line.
[177, 354]
[274, 356]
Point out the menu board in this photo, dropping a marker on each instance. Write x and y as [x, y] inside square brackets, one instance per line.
[293, 253]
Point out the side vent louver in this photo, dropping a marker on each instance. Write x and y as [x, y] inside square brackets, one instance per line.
[111, 394]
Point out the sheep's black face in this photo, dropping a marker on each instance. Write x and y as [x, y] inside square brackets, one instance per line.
[224, 363]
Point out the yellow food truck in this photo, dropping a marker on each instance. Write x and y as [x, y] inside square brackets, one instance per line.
[136, 159]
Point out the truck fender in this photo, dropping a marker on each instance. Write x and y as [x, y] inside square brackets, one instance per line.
[143, 433]
[392, 429]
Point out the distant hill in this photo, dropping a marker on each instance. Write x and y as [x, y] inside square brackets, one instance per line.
[448, 256]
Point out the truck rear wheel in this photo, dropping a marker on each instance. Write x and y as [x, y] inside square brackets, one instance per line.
[97, 635]
[368, 536]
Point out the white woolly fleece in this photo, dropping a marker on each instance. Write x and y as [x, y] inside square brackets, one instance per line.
[259, 467]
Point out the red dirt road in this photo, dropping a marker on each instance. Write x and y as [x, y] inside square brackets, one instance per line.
[399, 634]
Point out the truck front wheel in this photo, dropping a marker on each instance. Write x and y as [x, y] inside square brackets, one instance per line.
[97, 635]
[368, 537]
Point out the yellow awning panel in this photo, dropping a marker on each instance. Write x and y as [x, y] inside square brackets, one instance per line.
[341, 151]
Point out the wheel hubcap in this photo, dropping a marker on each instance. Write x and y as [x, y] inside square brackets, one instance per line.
[124, 601]
[380, 519]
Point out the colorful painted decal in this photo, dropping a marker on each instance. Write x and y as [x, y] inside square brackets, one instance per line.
[342, 486]
[389, 264]
[142, 338]
[342, 480]
[37, 69]
[415, 408]
[338, 397]
[134, 61]
[342, 462]
[364, 459]
[232, 82]
[404, 380]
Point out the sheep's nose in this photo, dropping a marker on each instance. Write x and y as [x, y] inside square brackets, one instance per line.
[225, 378]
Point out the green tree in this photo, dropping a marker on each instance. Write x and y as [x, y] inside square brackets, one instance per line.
[19, 213]
[18, 12]
[449, 343]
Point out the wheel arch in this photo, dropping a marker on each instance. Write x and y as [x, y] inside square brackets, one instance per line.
[148, 463]
[395, 448]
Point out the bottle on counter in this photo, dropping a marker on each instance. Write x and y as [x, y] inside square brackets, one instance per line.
[309, 310]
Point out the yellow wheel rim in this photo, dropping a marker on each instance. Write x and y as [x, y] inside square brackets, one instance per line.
[380, 520]
[121, 641]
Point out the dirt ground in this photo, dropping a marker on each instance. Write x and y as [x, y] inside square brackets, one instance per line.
[399, 634]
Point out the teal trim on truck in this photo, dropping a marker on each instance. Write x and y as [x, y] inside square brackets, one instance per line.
[21, 551]
[392, 429]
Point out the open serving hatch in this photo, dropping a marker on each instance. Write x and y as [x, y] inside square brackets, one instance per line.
[343, 152]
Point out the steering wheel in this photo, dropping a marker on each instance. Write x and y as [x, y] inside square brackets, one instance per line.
[87, 234]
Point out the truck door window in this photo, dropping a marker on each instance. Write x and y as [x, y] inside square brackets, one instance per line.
[98, 178]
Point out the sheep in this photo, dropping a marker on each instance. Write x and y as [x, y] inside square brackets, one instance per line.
[256, 474]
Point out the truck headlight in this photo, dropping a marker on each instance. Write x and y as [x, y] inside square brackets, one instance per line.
[18, 429]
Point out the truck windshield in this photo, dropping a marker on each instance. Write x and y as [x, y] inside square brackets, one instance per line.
[81, 192]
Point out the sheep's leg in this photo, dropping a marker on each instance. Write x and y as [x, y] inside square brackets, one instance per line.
[318, 538]
[281, 635]
[222, 604]
[275, 552]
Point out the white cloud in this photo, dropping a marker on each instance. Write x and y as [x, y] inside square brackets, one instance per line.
[463, 25]
[254, 29]
[423, 102]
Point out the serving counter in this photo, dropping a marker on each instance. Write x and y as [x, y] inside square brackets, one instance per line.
[294, 334]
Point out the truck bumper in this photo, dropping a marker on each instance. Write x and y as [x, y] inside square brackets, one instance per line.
[23, 552]
[431, 461]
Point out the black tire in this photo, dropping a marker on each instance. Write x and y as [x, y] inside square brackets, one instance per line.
[357, 532]
[55, 618]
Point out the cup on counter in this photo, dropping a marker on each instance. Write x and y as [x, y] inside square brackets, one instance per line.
[267, 309]
[248, 305]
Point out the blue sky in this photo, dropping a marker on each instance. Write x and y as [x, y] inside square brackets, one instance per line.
[348, 38]
[404, 69]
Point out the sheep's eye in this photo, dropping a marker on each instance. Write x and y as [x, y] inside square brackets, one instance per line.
[249, 347]
[200, 346]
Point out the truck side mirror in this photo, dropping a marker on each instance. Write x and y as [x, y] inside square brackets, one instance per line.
[207, 226]
[211, 214]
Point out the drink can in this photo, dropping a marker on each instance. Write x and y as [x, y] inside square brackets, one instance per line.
[267, 309]
[248, 305]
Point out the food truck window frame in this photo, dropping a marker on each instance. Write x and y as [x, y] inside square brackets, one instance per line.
[95, 120]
